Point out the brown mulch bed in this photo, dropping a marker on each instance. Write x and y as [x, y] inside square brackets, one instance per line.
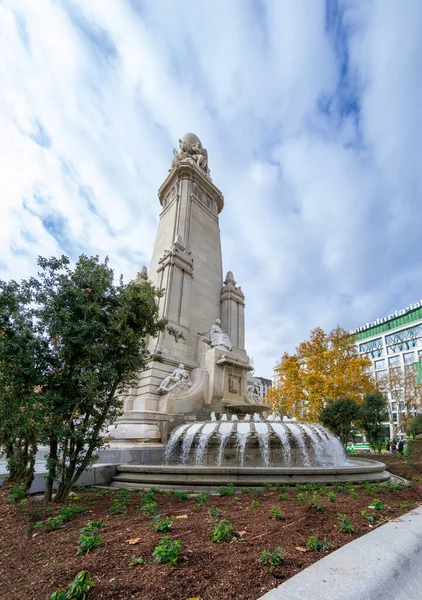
[34, 567]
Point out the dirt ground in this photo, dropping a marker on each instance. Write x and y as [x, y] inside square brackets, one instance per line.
[34, 563]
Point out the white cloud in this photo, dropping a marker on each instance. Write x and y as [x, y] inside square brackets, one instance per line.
[311, 116]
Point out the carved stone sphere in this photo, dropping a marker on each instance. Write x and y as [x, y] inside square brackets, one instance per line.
[191, 138]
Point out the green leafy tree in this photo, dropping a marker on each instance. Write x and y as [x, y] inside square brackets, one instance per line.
[22, 364]
[415, 425]
[92, 336]
[339, 416]
[373, 414]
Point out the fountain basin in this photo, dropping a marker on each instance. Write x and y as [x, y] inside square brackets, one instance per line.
[209, 478]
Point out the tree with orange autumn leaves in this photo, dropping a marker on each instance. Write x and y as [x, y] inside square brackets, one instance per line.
[324, 368]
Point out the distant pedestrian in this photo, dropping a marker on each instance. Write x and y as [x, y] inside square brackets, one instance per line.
[400, 446]
[393, 447]
[387, 446]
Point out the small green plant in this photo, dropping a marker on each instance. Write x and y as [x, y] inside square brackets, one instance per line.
[268, 486]
[302, 497]
[136, 560]
[92, 526]
[377, 505]
[148, 496]
[315, 545]
[369, 516]
[65, 513]
[180, 496]
[162, 525]
[236, 498]
[167, 551]
[149, 509]
[201, 499]
[280, 488]
[338, 487]
[331, 496]
[344, 525]
[315, 502]
[119, 502]
[255, 504]
[394, 486]
[214, 513]
[277, 513]
[352, 493]
[222, 532]
[271, 559]
[403, 504]
[89, 537]
[227, 490]
[77, 590]
[283, 496]
[17, 493]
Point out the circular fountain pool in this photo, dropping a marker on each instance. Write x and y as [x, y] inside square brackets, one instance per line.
[253, 452]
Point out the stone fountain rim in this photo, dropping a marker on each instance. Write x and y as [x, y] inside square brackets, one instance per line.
[363, 465]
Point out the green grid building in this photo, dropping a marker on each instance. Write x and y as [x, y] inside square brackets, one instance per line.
[393, 343]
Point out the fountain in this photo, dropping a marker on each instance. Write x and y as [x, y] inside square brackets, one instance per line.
[250, 450]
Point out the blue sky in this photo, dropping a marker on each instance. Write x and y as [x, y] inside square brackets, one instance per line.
[311, 114]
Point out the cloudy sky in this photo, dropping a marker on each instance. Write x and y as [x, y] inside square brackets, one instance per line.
[311, 114]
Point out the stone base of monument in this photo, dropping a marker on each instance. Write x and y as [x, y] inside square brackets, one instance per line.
[208, 479]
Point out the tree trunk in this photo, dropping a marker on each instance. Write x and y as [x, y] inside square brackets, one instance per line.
[52, 470]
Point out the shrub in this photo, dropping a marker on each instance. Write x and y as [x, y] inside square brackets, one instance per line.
[315, 545]
[271, 559]
[277, 513]
[283, 496]
[227, 490]
[77, 590]
[255, 504]
[167, 551]
[344, 525]
[222, 532]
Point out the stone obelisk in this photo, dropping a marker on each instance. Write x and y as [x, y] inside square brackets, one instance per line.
[209, 366]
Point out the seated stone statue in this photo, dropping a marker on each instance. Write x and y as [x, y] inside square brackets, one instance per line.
[252, 394]
[178, 375]
[218, 337]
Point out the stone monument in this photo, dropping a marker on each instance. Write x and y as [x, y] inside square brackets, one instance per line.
[208, 369]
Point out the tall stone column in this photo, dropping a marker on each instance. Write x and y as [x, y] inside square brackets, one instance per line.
[187, 264]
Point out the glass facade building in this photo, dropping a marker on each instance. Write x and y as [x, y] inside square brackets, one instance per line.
[395, 348]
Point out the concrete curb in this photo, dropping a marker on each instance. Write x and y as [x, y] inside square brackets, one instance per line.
[385, 564]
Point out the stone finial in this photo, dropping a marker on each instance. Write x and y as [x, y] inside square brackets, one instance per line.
[229, 278]
[142, 276]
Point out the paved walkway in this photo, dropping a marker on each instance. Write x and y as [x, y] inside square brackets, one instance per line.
[385, 564]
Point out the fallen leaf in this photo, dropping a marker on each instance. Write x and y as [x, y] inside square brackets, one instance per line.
[182, 517]
[196, 598]
[241, 533]
[301, 548]
[134, 541]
